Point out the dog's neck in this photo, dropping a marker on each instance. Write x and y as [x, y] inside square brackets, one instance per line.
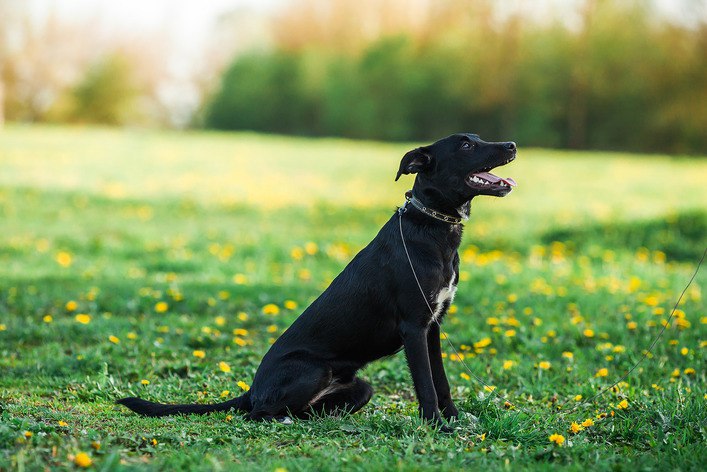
[440, 207]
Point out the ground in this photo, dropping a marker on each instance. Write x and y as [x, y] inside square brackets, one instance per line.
[163, 264]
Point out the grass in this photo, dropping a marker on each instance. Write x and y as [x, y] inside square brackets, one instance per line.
[174, 243]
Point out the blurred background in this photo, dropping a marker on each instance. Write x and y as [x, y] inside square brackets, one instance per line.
[585, 74]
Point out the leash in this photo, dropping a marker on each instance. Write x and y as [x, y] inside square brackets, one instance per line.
[493, 391]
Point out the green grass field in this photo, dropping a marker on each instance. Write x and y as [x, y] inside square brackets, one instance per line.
[163, 264]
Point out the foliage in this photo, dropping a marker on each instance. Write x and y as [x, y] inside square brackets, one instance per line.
[622, 79]
[146, 259]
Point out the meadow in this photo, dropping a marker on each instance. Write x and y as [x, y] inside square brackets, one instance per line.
[163, 264]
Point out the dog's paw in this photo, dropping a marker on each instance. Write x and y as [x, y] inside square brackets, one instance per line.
[284, 420]
[450, 412]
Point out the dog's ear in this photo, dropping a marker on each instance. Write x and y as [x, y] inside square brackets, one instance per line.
[417, 160]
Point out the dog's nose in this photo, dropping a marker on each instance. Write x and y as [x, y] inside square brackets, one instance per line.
[510, 145]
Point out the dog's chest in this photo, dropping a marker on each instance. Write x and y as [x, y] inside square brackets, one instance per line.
[444, 297]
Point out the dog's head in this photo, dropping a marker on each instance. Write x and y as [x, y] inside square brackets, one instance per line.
[455, 169]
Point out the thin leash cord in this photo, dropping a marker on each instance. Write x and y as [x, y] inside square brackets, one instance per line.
[493, 391]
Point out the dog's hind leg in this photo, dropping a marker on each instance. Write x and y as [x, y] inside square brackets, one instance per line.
[290, 391]
[346, 398]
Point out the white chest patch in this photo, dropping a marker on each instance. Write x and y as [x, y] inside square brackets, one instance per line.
[446, 294]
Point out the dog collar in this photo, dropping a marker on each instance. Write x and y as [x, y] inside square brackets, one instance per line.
[412, 200]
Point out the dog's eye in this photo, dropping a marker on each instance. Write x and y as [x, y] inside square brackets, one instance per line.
[467, 145]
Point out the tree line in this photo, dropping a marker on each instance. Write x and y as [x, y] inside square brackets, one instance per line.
[619, 78]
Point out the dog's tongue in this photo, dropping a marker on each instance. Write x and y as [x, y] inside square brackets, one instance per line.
[495, 179]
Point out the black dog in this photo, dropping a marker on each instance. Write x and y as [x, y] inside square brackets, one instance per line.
[374, 308]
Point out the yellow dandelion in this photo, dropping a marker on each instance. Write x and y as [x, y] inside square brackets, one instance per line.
[3, 327]
[456, 357]
[242, 316]
[568, 355]
[684, 351]
[83, 318]
[689, 371]
[63, 258]
[588, 333]
[272, 328]
[220, 320]
[114, 339]
[290, 304]
[311, 248]
[131, 336]
[297, 253]
[145, 382]
[199, 354]
[623, 404]
[224, 367]
[244, 386]
[63, 424]
[240, 279]
[225, 393]
[482, 343]
[557, 439]
[575, 427]
[161, 307]
[28, 434]
[465, 376]
[603, 372]
[71, 305]
[83, 460]
[507, 364]
[578, 398]
[675, 373]
[510, 333]
[489, 388]
[492, 321]
[240, 341]
[240, 332]
[544, 365]
[47, 318]
[271, 309]
[588, 422]
[512, 298]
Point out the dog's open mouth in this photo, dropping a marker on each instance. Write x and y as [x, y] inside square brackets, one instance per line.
[484, 179]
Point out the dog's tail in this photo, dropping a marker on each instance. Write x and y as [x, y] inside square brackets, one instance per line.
[145, 408]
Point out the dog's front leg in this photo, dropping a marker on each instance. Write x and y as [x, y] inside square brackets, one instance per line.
[439, 377]
[415, 343]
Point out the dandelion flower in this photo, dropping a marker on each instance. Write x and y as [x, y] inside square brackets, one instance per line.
[240, 332]
[588, 422]
[689, 371]
[557, 439]
[224, 367]
[71, 305]
[290, 304]
[507, 364]
[575, 427]
[510, 333]
[482, 343]
[272, 328]
[161, 307]
[83, 460]
[244, 386]
[199, 354]
[623, 404]
[603, 372]
[63, 424]
[83, 318]
[465, 376]
[131, 335]
[588, 333]
[220, 320]
[568, 355]
[28, 434]
[242, 315]
[145, 382]
[240, 341]
[684, 351]
[47, 318]
[271, 309]
[225, 393]
[63, 258]
[311, 248]
[577, 398]
[114, 339]
[544, 365]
